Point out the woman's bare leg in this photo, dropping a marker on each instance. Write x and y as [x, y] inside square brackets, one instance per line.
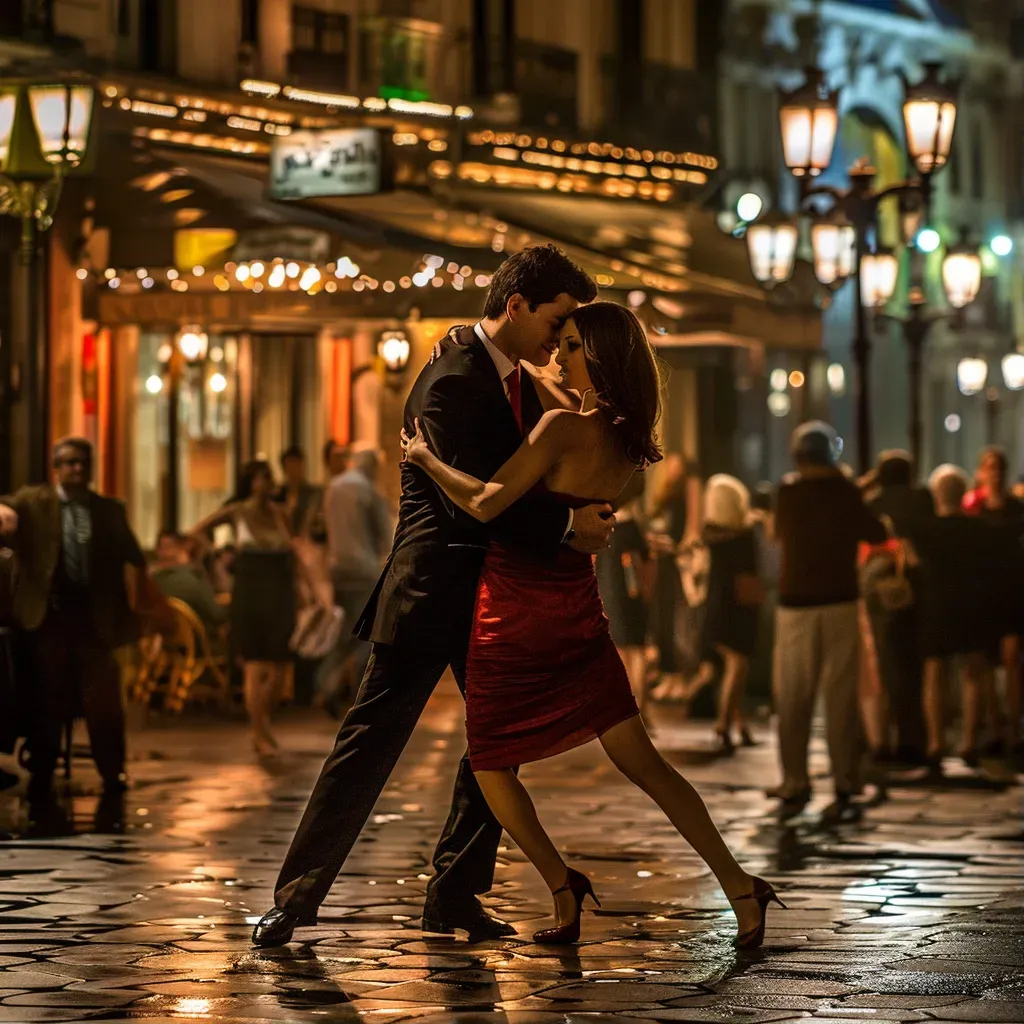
[259, 680]
[734, 677]
[1012, 666]
[633, 753]
[508, 799]
[978, 684]
[636, 671]
[932, 701]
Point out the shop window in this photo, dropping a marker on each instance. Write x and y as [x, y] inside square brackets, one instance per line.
[184, 464]
[320, 48]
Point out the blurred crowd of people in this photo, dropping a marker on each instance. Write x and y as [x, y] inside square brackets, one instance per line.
[899, 605]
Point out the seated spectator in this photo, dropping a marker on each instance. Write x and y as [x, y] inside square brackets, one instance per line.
[176, 576]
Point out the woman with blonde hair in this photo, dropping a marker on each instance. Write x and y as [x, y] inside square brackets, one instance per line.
[734, 592]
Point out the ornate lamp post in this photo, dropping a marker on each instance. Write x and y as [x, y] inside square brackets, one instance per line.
[809, 120]
[61, 115]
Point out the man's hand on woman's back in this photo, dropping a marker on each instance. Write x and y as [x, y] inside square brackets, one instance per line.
[592, 527]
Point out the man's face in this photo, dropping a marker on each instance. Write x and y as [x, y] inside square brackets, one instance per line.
[167, 550]
[536, 330]
[991, 473]
[338, 462]
[73, 467]
[294, 470]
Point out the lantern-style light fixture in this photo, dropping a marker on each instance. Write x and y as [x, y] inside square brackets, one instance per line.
[771, 246]
[394, 349]
[62, 116]
[192, 344]
[961, 275]
[879, 272]
[8, 106]
[1013, 371]
[929, 116]
[834, 242]
[971, 375]
[809, 117]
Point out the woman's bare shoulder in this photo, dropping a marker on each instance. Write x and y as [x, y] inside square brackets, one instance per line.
[551, 395]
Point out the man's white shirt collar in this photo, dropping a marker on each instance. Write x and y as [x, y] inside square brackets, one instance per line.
[502, 363]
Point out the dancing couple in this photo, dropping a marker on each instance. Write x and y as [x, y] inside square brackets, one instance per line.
[507, 486]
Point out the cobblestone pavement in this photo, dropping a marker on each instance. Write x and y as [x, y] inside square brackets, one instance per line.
[915, 914]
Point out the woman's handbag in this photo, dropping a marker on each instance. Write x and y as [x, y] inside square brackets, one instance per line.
[893, 591]
[317, 630]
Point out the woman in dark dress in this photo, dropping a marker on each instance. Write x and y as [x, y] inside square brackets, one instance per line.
[623, 571]
[263, 601]
[542, 674]
[729, 633]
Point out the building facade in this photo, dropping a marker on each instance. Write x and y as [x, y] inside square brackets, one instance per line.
[209, 298]
[865, 49]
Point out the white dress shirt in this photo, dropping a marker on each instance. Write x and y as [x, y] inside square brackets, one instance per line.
[505, 366]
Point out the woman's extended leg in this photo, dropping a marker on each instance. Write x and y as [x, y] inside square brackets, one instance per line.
[512, 806]
[633, 753]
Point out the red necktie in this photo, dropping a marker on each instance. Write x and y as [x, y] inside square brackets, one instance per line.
[515, 396]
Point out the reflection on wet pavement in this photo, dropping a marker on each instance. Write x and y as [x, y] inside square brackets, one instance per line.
[143, 911]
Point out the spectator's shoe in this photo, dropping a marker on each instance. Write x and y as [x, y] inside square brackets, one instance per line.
[970, 757]
[471, 917]
[934, 774]
[790, 804]
[277, 926]
[842, 811]
[746, 740]
[724, 745]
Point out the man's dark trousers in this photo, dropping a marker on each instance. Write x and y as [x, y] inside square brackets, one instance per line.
[396, 687]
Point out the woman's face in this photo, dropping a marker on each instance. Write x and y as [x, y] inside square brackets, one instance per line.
[990, 473]
[572, 364]
[261, 484]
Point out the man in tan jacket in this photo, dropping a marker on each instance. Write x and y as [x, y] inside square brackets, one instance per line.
[72, 546]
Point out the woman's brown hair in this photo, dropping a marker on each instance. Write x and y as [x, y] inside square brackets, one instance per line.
[625, 376]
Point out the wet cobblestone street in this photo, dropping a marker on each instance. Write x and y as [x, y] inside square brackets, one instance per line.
[916, 913]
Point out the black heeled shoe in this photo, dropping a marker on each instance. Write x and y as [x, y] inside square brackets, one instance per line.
[746, 740]
[724, 745]
[764, 894]
[566, 934]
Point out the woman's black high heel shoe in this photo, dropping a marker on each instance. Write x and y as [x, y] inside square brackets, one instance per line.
[764, 894]
[566, 934]
[724, 745]
[746, 740]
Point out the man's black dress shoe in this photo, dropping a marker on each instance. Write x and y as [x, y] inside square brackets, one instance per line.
[473, 919]
[276, 926]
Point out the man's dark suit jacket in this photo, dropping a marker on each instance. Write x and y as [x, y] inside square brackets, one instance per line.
[426, 592]
[37, 549]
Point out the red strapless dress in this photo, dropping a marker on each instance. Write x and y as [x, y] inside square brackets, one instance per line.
[542, 674]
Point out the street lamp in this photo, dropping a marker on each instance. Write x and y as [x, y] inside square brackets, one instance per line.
[971, 375]
[1013, 371]
[771, 245]
[809, 120]
[61, 114]
[834, 243]
[961, 275]
[879, 272]
[394, 349]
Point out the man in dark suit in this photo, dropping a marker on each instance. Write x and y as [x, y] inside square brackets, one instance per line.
[475, 404]
[73, 547]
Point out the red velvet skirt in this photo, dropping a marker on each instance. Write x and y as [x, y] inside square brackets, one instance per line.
[543, 674]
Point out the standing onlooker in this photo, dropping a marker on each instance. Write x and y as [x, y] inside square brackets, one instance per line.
[734, 594]
[299, 497]
[623, 576]
[961, 564]
[821, 519]
[73, 546]
[993, 503]
[675, 518]
[359, 533]
[263, 601]
[908, 507]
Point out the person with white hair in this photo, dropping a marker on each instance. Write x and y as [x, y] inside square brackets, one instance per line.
[961, 564]
[734, 591]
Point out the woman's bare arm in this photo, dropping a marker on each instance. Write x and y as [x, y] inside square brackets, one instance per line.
[484, 500]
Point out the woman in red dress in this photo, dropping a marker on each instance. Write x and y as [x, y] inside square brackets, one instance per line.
[543, 674]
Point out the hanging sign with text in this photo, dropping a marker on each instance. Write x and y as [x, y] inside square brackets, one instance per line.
[329, 162]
